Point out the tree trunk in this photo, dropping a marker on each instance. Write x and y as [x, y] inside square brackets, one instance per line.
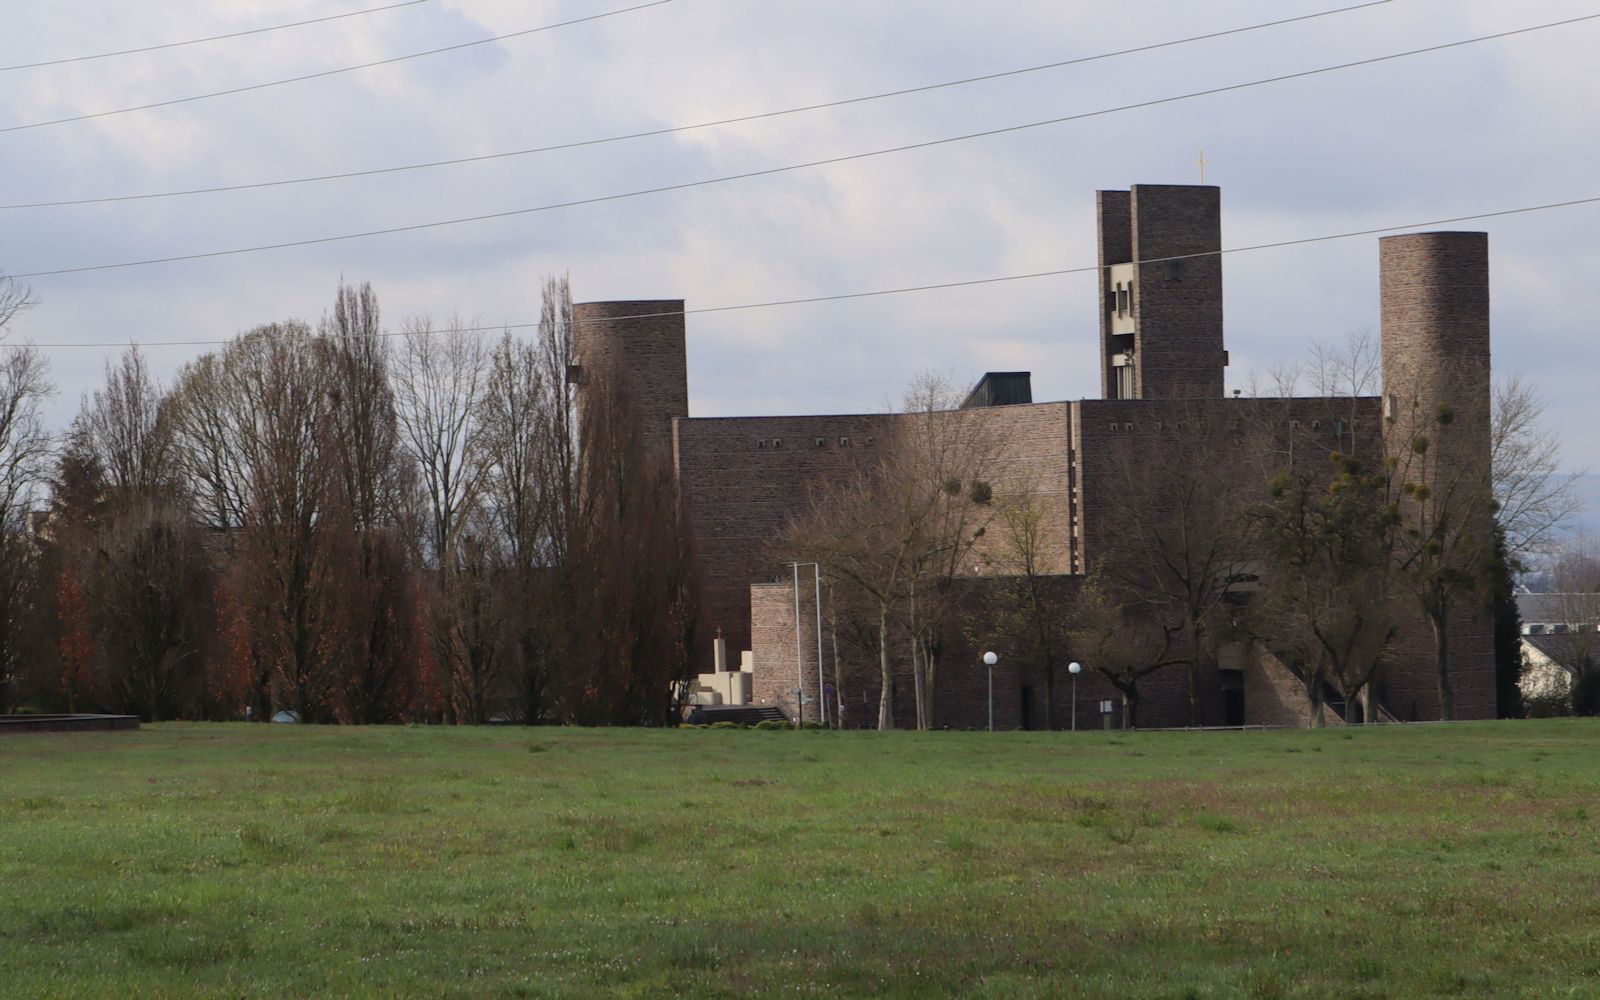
[916, 678]
[1049, 697]
[1441, 661]
[838, 674]
[1130, 700]
[885, 699]
[1194, 674]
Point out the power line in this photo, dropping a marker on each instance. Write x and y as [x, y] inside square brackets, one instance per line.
[333, 72]
[209, 38]
[937, 286]
[771, 171]
[673, 130]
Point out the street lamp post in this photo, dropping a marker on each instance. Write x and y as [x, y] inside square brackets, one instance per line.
[1074, 668]
[989, 660]
[799, 663]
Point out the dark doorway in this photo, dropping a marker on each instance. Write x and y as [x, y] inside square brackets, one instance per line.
[1232, 698]
[1027, 708]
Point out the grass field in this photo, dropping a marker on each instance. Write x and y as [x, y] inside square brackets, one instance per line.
[276, 860]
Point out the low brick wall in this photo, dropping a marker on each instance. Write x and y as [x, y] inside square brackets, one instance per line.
[66, 723]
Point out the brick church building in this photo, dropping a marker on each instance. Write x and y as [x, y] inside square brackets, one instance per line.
[1162, 358]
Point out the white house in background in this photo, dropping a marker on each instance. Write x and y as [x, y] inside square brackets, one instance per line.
[1560, 636]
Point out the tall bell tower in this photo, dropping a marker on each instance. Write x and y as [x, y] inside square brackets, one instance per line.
[1161, 292]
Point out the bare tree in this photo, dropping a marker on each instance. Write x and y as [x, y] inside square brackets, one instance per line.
[865, 545]
[370, 515]
[129, 426]
[893, 530]
[1534, 498]
[1351, 369]
[1284, 378]
[529, 495]
[1028, 602]
[1181, 541]
[438, 379]
[149, 579]
[216, 433]
[15, 299]
[940, 458]
[25, 452]
[1116, 639]
[362, 410]
[256, 419]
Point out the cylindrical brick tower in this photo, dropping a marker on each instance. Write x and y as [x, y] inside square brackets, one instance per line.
[1435, 307]
[638, 347]
[1436, 421]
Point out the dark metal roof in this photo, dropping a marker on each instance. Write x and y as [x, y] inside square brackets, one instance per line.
[1000, 389]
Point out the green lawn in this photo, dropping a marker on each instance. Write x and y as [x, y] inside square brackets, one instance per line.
[275, 860]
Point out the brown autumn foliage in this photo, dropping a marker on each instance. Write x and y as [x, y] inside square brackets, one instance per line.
[315, 519]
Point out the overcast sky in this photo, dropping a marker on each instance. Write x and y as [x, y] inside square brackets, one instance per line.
[1497, 125]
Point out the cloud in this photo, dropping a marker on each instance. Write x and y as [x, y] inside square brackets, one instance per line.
[1477, 128]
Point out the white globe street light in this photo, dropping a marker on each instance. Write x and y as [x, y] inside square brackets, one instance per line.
[989, 660]
[1074, 668]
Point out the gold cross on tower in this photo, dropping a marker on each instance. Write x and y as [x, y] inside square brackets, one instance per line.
[1202, 165]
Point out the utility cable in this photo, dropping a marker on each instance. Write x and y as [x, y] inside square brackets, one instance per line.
[334, 72]
[910, 289]
[771, 171]
[210, 38]
[677, 129]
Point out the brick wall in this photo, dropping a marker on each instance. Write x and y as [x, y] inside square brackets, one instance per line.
[742, 480]
[777, 675]
[1434, 297]
[1125, 449]
[640, 344]
[1409, 682]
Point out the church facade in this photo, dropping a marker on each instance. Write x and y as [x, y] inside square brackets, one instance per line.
[1162, 359]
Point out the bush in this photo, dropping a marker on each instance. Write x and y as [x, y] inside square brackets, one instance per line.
[1586, 694]
[728, 725]
[770, 724]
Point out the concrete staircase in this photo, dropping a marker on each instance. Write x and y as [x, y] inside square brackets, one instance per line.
[743, 715]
